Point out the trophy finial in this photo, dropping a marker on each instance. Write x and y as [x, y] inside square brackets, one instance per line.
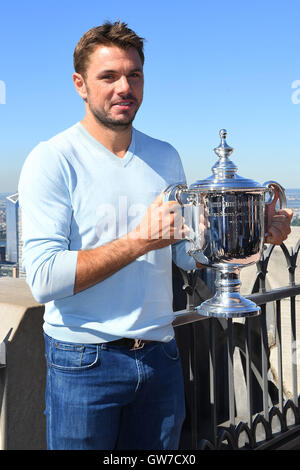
[224, 150]
[224, 168]
[223, 134]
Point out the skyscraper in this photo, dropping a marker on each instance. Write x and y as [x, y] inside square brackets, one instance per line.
[14, 242]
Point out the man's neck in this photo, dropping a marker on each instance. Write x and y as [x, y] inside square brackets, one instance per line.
[117, 141]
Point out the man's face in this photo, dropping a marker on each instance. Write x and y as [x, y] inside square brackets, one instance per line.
[114, 85]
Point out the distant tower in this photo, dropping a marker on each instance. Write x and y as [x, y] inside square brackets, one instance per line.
[14, 242]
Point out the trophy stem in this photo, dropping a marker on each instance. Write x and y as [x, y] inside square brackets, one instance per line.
[227, 301]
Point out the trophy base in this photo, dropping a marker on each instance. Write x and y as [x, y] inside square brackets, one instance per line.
[233, 307]
[227, 302]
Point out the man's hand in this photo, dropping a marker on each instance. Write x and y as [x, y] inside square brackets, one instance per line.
[279, 225]
[161, 226]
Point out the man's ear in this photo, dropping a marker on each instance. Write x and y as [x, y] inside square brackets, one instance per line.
[79, 85]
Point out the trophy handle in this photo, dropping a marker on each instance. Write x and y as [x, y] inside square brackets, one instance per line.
[276, 192]
[174, 192]
[180, 193]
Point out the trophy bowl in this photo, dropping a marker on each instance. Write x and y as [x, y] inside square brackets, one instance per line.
[226, 217]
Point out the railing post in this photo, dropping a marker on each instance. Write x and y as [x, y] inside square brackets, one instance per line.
[194, 359]
[279, 354]
[231, 395]
[264, 361]
[248, 351]
[294, 352]
[212, 379]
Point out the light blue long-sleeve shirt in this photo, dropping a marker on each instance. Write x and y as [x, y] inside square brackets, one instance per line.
[77, 195]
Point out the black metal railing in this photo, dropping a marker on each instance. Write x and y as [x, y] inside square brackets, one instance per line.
[235, 397]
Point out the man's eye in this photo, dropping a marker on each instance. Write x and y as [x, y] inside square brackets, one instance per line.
[107, 77]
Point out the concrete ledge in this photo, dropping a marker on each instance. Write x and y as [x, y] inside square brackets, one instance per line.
[22, 381]
[15, 299]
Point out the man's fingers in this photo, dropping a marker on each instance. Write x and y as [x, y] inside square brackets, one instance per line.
[279, 227]
[159, 200]
[287, 212]
[275, 236]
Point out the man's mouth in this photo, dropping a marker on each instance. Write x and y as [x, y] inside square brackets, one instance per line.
[124, 105]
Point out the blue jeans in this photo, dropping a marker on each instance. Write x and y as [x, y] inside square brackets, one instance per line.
[108, 397]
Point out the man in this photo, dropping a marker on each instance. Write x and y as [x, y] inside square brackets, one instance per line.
[97, 251]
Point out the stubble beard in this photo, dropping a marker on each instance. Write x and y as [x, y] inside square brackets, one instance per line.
[107, 121]
[111, 123]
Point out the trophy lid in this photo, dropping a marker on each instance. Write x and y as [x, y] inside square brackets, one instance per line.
[224, 175]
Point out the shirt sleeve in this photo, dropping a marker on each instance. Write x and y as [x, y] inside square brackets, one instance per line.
[46, 214]
[180, 256]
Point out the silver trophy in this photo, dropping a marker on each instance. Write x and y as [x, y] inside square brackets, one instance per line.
[226, 218]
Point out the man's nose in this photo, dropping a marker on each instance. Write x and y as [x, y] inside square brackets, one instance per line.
[123, 85]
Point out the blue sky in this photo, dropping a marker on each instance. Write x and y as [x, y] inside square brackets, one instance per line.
[209, 65]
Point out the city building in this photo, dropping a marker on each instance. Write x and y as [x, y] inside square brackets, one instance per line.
[8, 269]
[14, 242]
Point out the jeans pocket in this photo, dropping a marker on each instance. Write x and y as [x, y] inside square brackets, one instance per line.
[74, 357]
[170, 350]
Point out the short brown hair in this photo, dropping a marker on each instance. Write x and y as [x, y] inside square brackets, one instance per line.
[117, 34]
